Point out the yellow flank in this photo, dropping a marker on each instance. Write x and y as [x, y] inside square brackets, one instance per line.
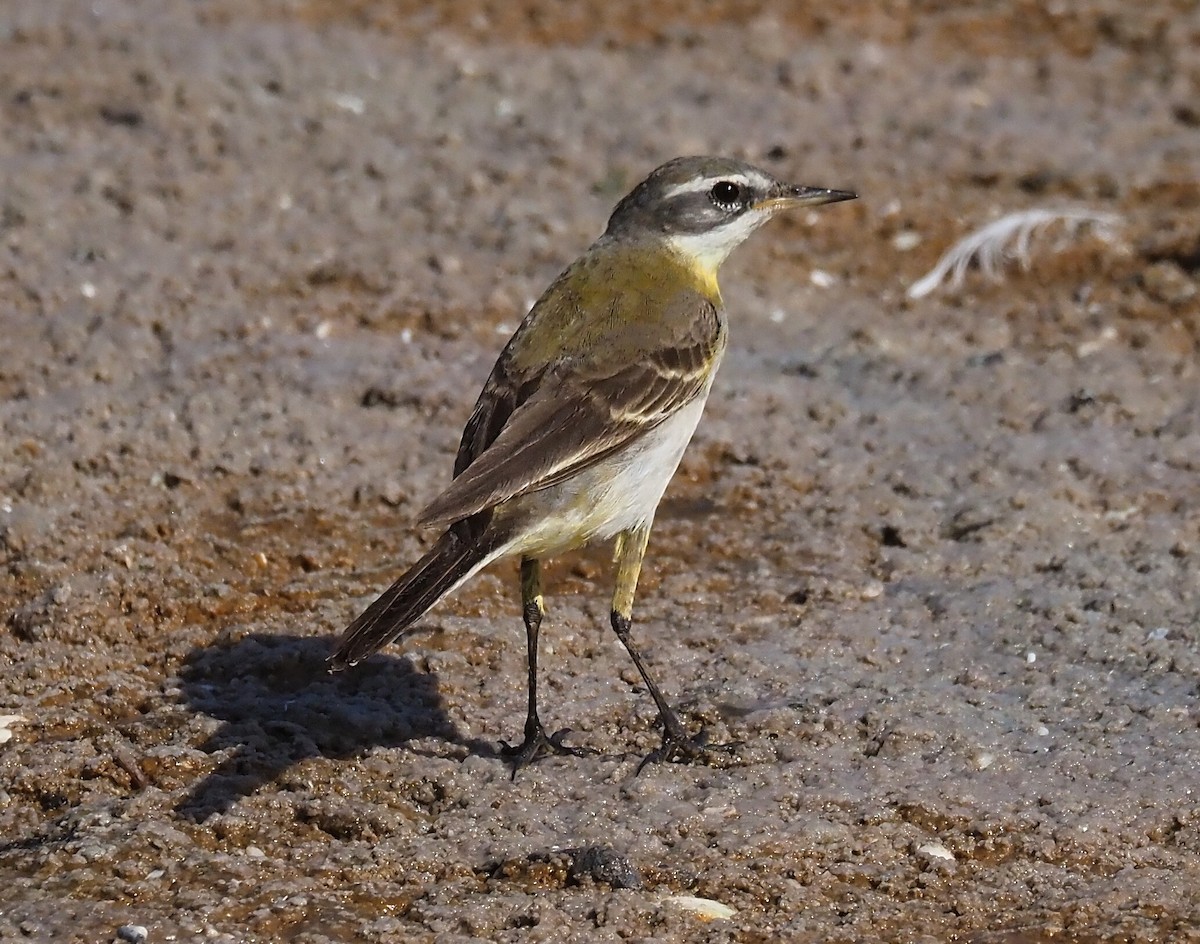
[580, 516]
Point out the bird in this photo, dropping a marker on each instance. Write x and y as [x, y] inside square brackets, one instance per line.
[586, 416]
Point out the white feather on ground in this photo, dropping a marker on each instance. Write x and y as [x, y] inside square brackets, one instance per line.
[1007, 238]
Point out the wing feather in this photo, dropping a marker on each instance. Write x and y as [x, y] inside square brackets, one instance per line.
[529, 435]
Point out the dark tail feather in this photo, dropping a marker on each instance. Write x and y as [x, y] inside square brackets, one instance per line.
[409, 598]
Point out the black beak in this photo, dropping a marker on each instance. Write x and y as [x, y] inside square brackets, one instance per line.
[787, 197]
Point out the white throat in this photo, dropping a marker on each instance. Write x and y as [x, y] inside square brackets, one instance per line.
[711, 248]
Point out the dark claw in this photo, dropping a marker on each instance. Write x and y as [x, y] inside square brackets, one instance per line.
[677, 747]
[539, 744]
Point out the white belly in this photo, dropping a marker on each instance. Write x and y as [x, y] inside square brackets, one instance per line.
[617, 494]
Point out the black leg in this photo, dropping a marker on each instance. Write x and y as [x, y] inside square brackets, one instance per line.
[672, 727]
[537, 742]
[677, 744]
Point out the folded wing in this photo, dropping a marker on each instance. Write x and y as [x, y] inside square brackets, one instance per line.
[530, 433]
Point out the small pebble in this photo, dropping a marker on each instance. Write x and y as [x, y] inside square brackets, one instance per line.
[133, 933]
[1107, 335]
[871, 591]
[605, 864]
[1167, 282]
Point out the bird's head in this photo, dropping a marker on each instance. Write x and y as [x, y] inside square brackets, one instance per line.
[704, 207]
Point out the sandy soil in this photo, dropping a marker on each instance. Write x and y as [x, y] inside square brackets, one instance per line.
[933, 563]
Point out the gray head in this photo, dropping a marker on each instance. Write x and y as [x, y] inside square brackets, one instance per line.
[705, 206]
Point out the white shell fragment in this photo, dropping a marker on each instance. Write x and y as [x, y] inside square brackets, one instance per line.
[935, 850]
[704, 908]
[6, 723]
[348, 101]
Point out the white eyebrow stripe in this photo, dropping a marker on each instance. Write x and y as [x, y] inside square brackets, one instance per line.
[703, 184]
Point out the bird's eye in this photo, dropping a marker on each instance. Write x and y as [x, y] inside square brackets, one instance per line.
[725, 194]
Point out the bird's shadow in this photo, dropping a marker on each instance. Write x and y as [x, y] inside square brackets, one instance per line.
[279, 706]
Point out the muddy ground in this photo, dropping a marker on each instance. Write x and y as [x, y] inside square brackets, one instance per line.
[932, 563]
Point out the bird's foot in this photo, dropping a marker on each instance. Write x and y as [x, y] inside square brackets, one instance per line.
[539, 744]
[680, 747]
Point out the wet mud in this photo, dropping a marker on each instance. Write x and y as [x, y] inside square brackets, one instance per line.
[930, 563]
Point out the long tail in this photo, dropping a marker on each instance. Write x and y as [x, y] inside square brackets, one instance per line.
[450, 561]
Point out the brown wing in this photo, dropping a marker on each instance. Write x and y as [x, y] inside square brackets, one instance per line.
[525, 437]
[501, 395]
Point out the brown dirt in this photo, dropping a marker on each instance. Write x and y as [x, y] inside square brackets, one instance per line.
[932, 563]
